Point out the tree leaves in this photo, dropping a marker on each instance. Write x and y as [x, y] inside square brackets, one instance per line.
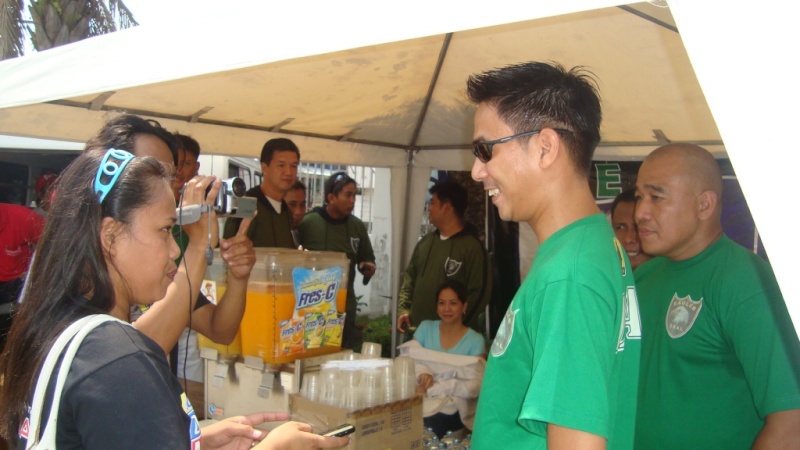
[59, 22]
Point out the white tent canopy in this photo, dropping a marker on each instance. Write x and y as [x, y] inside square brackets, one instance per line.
[381, 84]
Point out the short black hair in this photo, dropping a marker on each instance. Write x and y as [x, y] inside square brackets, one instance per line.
[336, 182]
[535, 95]
[277, 145]
[188, 144]
[450, 191]
[298, 185]
[626, 196]
[457, 287]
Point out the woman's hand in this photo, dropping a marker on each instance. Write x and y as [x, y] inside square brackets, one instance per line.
[424, 382]
[299, 436]
[238, 252]
[237, 433]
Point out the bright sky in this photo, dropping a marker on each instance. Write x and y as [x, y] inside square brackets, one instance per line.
[164, 12]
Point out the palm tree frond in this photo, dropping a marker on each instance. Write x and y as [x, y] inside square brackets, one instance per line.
[59, 22]
[11, 29]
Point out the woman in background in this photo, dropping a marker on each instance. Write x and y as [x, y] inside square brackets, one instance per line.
[450, 383]
[449, 334]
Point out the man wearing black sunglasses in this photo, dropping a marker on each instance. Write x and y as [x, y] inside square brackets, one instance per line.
[563, 368]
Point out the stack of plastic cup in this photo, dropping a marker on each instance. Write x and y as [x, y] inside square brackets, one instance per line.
[351, 357]
[310, 389]
[350, 377]
[406, 377]
[330, 385]
[389, 381]
[372, 387]
[370, 350]
[351, 397]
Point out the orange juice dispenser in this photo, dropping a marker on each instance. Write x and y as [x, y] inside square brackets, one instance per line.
[213, 288]
[295, 305]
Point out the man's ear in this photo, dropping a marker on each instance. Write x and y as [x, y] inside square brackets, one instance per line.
[549, 147]
[109, 229]
[446, 206]
[706, 204]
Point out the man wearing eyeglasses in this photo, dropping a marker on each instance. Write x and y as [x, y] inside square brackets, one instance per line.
[563, 369]
[272, 225]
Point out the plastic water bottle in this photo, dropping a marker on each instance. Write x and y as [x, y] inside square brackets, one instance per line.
[467, 442]
[448, 439]
[456, 445]
[428, 436]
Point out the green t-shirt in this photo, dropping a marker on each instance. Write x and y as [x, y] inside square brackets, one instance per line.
[567, 351]
[719, 352]
[462, 258]
[319, 231]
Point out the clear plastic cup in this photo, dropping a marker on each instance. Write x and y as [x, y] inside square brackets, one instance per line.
[310, 389]
[389, 383]
[351, 397]
[350, 378]
[370, 350]
[330, 385]
[406, 377]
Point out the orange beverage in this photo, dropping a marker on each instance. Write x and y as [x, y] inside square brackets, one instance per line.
[266, 306]
[273, 307]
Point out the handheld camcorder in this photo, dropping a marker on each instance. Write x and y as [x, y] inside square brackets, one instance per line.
[230, 202]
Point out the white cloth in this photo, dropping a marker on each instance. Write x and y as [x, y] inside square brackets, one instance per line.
[456, 380]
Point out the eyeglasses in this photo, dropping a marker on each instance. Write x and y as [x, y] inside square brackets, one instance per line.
[338, 179]
[483, 150]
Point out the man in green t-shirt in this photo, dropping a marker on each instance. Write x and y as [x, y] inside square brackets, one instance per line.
[720, 356]
[333, 227]
[564, 366]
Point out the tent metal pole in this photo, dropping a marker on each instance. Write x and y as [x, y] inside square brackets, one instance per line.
[410, 152]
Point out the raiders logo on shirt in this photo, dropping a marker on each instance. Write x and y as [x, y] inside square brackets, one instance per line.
[451, 266]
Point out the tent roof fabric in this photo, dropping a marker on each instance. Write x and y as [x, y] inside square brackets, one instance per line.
[407, 94]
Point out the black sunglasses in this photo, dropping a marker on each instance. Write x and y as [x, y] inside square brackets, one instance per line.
[340, 178]
[483, 149]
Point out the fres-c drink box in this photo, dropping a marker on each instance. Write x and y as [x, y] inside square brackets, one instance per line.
[295, 304]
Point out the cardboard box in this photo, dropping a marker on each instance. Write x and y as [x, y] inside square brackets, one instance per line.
[393, 426]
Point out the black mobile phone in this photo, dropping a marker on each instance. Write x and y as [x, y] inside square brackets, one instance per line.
[342, 430]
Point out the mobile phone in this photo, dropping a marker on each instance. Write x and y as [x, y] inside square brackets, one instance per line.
[342, 430]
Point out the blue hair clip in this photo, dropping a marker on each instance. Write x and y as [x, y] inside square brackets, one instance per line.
[112, 165]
